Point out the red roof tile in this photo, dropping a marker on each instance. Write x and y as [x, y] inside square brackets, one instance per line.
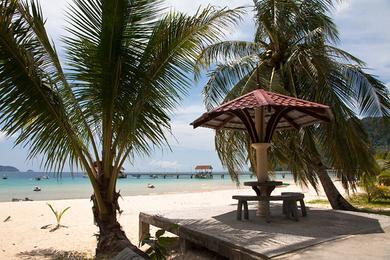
[297, 113]
[260, 98]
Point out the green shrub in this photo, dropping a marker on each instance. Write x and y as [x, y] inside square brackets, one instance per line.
[159, 245]
[380, 192]
[384, 178]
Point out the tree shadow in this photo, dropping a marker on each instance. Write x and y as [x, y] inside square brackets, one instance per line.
[53, 254]
[320, 223]
[385, 212]
[282, 235]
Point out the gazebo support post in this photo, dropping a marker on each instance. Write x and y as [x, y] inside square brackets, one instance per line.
[261, 161]
[261, 158]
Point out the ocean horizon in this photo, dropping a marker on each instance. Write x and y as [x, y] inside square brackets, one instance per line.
[20, 185]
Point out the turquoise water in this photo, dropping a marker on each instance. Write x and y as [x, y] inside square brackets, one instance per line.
[21, 184]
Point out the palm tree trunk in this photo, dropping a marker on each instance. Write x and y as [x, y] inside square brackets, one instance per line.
[335, 199]
[111, 238]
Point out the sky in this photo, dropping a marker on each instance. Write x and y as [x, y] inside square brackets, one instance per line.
[364, 27]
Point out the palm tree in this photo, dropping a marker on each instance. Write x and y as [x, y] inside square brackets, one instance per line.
[294, 53]
[127, 66]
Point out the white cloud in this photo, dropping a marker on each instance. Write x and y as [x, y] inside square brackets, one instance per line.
[3, 136]
[185, 136]
[342, 6]
[190, 110]
[364, 32]
[165, 164]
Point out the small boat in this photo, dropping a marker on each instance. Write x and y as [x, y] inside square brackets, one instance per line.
[122, 175]
[45, 177]
[150, 186]
[37, 188]
[38, 178]
[5, 177]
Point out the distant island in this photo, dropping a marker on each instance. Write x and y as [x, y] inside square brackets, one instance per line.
[8, 169]
[30, 170]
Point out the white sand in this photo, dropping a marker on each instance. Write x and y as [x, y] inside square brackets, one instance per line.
[22, 238]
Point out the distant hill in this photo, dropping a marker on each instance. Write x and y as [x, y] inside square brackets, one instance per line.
[378, 130]
[8, 169]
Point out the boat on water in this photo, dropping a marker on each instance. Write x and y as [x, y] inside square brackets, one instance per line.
[122, 175]
[45, 177]
[37, 188]
[5, 177]
[37, 178]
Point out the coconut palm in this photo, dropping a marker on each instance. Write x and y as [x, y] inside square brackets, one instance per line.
[294, 53]
[127, 67]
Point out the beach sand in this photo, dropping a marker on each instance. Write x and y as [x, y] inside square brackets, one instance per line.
[22, 237]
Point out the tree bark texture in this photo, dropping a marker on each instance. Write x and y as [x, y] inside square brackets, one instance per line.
[111, 239]
[335, 199]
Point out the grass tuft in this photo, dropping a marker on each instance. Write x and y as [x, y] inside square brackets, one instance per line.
[376, 206]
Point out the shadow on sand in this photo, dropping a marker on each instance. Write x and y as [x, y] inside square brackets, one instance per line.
[52, 254]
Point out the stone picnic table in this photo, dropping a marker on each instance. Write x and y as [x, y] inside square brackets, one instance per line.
[263, 195]
[263, 188]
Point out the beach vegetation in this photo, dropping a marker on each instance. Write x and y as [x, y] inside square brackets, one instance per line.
[158, 245]
[360, 201]
[377, 187]
[110, 97]
[384, 178]
[294, 52]
[58, 214]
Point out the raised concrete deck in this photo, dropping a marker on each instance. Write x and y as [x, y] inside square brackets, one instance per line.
[218, 230]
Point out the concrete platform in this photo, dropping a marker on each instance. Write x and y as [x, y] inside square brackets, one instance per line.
[218, 230]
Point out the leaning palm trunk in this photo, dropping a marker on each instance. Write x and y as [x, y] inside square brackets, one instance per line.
[336, 200]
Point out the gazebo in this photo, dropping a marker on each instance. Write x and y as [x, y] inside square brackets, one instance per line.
[261, 113]
[203, 171]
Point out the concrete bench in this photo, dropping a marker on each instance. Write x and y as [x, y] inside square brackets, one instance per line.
[290, 207]
[300, 199]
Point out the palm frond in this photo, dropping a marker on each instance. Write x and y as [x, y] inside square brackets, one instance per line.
[224, 77]
[226, 51]
[32, 104]
[232, 148]
[168, 58]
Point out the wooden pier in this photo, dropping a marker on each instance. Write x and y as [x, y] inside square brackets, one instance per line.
[173, 175]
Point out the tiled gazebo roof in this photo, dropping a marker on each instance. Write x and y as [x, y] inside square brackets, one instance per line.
[282, 111]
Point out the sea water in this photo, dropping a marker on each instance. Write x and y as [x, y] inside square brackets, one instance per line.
[20, 185]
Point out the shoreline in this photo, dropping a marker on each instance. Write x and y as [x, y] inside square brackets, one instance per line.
[79, 188]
